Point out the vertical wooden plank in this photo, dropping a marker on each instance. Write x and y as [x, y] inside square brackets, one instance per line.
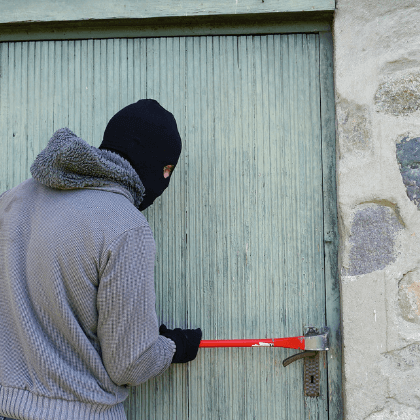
[168, 282]
[136, 69]
[98, 97]
[213, 84]
[196, 239]
[313, 278]
[225, 167]
[292, 219]
[44, 134]
[77, 85]
[21, 131]
[145, 391]
[174, 241]
[162, 237]
[14, 93]
[122, 64]
[131, 98]
[192, 199]
[143, 67]
[70, 84]
[296, 193]
[206, 111]
[334, 355]
[89, 131]
[278, 212]
[4, 110]
[9, 134]
[276, 128]
[36, 94]
[214, 327]
[107, 65]
[236, 168]
[272, 274]
[149, 75]
[56, 86]
[59, 93]
[31, 114]
[259, 284]
[13, 166]
[180, 195]
[82, 91]
[271, 180]
[117, 94]
[246, 105]
[49, 88]
[65, 83]
[291, 251]
[154, 92]
[315, 240]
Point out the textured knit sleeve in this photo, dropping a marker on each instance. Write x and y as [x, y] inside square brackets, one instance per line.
[132, 349]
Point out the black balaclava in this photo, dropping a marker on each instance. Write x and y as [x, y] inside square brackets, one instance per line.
[146, 135]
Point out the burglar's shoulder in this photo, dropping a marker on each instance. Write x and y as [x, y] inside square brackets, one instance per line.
[113, 210]
[92, 212]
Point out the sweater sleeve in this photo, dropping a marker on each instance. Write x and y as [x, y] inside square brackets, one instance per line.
[132, 349]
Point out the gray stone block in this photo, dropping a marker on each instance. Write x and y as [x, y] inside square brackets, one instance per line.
[409, 297]
[408, 156]
[399, 96]
[354, 126]
[372, 238]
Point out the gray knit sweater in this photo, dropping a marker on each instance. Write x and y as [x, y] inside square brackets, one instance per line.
[77, 301]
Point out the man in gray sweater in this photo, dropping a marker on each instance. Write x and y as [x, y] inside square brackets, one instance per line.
[77, 301]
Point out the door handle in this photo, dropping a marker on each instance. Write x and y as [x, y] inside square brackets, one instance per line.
[318, 341]
[303, 355]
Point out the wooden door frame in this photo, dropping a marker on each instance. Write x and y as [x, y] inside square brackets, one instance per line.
[274, 23]
[244, 24]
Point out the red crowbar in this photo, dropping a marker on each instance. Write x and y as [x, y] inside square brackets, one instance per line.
[315, 340]
[288, 342]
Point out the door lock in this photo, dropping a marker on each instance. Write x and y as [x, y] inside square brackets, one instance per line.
[316, 340]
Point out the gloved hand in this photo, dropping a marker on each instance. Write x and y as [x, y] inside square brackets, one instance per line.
[186, 341]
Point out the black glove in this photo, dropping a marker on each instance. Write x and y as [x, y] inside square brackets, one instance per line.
[186, 341]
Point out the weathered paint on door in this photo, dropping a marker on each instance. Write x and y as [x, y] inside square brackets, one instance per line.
[240, 232]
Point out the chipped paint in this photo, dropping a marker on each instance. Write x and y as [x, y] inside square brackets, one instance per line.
[261, 344]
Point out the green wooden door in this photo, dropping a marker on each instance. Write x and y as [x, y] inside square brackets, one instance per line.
[244, 232]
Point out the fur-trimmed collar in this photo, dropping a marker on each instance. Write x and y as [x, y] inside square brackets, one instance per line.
[68, 162]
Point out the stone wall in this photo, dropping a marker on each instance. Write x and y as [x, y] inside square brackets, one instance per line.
[377, 81]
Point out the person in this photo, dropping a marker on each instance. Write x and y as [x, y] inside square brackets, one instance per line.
[77, 301]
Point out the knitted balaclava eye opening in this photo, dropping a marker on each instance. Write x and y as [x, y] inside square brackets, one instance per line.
[147, 136]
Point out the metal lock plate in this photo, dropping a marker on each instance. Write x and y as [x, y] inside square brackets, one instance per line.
[316, 340]
[311, 376]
